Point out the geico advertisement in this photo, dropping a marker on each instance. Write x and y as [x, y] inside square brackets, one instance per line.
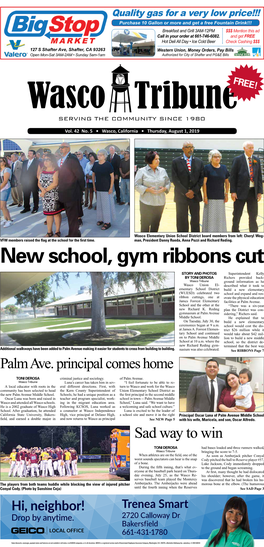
[129, 517]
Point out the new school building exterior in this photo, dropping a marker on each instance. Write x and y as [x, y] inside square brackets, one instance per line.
[150, 304]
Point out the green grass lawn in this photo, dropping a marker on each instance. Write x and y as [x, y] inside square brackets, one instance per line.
[110, 322]
[149, 333]
[83, 468]
[58, 322]
[23, 324]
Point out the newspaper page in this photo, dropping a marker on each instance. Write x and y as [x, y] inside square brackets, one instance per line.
[131, 240]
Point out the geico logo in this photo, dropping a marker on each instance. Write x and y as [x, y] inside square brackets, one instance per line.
[27, 530]
[30, 23]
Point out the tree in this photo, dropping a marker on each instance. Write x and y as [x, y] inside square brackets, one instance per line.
[70, 438]
[3, 437]
[95, 450]
[35, 295]
[108, 281]
[49, 436]
[105, 445]
[11, 309]
[54, 299]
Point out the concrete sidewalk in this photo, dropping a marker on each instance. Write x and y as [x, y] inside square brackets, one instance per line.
[6, 340]
[167, 340]
[71, 326]
[28, 225]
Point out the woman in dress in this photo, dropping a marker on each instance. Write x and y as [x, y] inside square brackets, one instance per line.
[215, 192]
[5, 191]
[152, 182]
[48, 185]
[227, 403]
[235, 529]
[89, 192]
[103, 182]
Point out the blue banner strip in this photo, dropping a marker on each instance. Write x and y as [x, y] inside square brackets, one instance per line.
[119, 517]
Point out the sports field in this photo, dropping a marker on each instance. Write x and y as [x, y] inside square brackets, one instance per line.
[50, 331]
[94, 471]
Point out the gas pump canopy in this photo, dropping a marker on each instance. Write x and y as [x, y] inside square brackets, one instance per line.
[128, 37]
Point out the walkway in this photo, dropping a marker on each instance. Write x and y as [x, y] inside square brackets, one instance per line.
[167, 340]
[28, 225]
[5, 340]
[67, 326]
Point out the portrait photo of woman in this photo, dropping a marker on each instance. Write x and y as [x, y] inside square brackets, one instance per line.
[235, 528]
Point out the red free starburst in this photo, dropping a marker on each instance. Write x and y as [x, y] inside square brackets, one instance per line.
[245, 82]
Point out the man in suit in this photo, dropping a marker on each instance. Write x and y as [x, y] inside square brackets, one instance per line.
[16, 187]
[204, 391]
[71, 186]
[29, 181]
[187, 177]
[115, 161]
[246, 187]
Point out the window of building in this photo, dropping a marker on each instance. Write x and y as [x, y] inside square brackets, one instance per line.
[124, 302]
[111, 303]
[168, 297]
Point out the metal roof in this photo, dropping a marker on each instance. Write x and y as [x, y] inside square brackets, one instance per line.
[87, 297]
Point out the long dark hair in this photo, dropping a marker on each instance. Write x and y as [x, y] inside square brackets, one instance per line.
[233, 503]
[4, 160]
[226, 378]
[53, 161]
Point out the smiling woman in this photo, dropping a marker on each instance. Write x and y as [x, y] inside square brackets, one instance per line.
[235, 528]
[227, 402]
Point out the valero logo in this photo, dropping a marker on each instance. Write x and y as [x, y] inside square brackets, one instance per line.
[15, 45]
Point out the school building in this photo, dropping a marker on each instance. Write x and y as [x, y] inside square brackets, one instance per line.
[148, 304]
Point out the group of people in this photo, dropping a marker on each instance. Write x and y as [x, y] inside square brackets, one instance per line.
[208, 393]
[65, 181]
[191, 179]
[35, 461]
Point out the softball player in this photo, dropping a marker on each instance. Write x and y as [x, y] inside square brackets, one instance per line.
[74, 459]
[34, 461]
[44, 458]
[13, 462]
[67, 461]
